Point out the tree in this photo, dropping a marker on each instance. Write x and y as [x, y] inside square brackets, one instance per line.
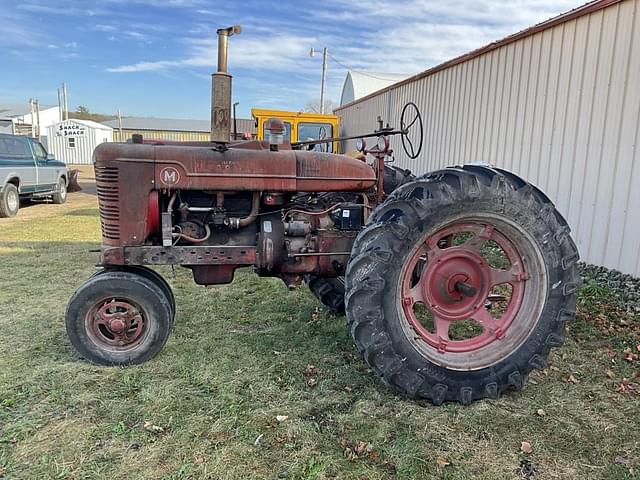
[314, 106]
[83, 110]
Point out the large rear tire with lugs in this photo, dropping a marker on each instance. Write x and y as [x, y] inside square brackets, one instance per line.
[460, 285]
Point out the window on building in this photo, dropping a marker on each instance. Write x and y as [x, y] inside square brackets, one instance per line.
[71, 142]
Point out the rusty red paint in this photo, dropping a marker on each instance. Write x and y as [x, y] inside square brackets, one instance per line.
[437, 287]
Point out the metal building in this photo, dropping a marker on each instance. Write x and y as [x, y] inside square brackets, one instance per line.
[73, 141]
[558, 103]
[174, 129]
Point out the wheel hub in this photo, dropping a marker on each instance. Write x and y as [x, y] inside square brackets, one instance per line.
[116, 323]
[455, 283]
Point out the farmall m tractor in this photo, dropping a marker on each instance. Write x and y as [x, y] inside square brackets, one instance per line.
[455, 284]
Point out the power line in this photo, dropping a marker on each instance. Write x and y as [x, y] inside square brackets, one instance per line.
[361, 72]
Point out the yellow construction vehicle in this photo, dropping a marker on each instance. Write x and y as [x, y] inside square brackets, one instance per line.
[300, 127]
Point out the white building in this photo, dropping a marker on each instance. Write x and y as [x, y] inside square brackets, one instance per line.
[558, 104]
[17, 119]
[360, 84]
[73, 141]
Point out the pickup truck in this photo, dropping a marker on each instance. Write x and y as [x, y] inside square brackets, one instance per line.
[28, 171]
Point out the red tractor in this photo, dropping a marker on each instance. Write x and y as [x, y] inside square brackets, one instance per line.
[455, 284]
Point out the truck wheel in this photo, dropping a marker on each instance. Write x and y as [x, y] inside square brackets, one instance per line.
[330, 292]
[61, 192]
[151, 275]
[119, 318]
[461, 284]
[9, 201]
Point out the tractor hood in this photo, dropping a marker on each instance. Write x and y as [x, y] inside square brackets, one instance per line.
[240, 168]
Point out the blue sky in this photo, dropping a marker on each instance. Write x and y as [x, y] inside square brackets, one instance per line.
[155, 57]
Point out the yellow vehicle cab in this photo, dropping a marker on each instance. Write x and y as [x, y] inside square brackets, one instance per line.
[300, 126]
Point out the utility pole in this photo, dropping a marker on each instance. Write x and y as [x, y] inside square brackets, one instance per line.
[59, 107]
[33, 125]
[325, 54]
[235, 123]
[121, 139]
[38, 117]
[65, 100]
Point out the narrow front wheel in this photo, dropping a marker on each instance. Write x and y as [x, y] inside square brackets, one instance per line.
[119, 318]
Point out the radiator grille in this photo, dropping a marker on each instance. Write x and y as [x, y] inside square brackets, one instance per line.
[108, 195]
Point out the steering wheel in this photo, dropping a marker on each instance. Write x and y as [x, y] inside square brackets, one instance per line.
[412, 130]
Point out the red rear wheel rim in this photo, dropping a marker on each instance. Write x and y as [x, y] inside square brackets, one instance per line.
[453, 282]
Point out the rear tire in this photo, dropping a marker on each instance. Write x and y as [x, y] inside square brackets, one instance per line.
[400, 262]
[118, 318]
[9, 201]
[330, 292]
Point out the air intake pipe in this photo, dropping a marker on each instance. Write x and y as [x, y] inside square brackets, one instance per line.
[221, 90]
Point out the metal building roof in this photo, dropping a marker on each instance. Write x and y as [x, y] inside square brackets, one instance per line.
[359, 84]
[171, 124]
[12, 110]
[88, 123]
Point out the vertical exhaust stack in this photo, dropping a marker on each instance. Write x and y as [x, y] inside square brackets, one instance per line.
[221, 90]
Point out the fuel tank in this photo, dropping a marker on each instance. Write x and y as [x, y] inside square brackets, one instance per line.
[250, 167]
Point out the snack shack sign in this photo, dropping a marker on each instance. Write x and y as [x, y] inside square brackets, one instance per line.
[71, 130]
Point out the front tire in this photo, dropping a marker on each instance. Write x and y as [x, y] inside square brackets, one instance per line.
[61, 192]
[329, 291]
[9, 201]
[119, 318]
[433, 259]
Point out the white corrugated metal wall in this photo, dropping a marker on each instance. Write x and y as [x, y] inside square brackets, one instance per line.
[560, 107]
[81, 153]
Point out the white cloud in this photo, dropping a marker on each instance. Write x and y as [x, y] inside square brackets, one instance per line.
[281, 52]
[104, 28]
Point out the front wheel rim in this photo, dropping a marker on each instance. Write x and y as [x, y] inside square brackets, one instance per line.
[116, 324]
[12, 201]
[454, 283]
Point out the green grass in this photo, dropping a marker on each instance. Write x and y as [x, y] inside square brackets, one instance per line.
[243, 354]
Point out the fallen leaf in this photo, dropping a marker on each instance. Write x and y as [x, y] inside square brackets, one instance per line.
[628, 387]
[540, 412]
[349, 388]
[258, 440]
[315, 315]
[629, 356]
[150, 427]
[443, 462]
[199, 460]
[622, 460]
[312, 382]
[281, 418]
[526, 447]
[610, 373]
[360, 447]
[572, 379]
